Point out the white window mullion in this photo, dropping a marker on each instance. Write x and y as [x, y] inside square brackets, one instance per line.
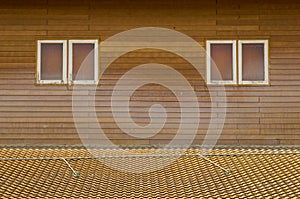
[64, 72]
[96, 68]
[70, 63]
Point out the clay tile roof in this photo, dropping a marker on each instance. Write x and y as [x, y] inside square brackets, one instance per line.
[44, 173]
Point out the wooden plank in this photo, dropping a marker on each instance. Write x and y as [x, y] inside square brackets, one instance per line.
[281, 104]
[280, 109]
[18, 11]
[280, 126]
[280, 115]
[285, 44]
[289, 142]
[21, 33]
[47, 27]
[17, 59]
[45, 92]
[285, 72]
[21, 22]
[280, 120]
[39, 126]
[45, 18]
[285, 77]
[20, 3]
[280, 99]
[269, 141]
[266, 137]
[43, 114]
[40, 141]
[290, 82]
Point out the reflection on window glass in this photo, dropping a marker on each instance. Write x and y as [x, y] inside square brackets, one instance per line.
[253, 62]
[83, 61]
[221, 60]
[51, 61]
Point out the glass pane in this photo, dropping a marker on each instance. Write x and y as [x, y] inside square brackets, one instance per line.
[83, 62]
[221, 54]
[51, 61]
[253, 62]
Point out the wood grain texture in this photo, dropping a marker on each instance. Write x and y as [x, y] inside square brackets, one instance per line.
[42, 114]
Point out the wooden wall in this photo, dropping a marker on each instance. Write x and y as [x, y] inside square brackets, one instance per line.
[31, 114]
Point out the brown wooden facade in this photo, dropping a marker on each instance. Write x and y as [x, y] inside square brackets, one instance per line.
[42, 114]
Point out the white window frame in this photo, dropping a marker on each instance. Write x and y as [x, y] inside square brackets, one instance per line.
[64, 65]
[266, 61]
[208, 64]
[70, 67]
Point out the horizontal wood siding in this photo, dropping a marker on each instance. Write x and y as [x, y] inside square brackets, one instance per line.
[42, 114]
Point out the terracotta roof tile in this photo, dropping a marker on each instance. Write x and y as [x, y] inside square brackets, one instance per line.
[255, 173]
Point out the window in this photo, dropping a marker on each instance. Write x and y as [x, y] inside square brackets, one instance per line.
[51, 62]
[253, 61]
[83, 61]
[221, 64]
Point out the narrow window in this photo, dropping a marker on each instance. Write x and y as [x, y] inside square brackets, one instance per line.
[51, 62]
[83, 62]
[253, 61]
[221, 61]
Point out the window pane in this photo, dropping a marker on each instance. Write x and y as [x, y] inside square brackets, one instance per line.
[51, 61]
[83, 62]
[221, 54]
[253, 62]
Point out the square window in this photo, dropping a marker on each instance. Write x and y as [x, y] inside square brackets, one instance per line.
[253, 61]
[221, 61]
[83, 62]
[51, 62]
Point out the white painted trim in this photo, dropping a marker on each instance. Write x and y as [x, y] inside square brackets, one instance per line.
[65, 61]
[208, 66]
[266, 61]
[64, 65]
[96, 67]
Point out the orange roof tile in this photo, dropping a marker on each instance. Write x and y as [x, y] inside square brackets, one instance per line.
[255, 172]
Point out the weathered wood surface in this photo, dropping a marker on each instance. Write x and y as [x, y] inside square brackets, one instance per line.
[35, 114]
